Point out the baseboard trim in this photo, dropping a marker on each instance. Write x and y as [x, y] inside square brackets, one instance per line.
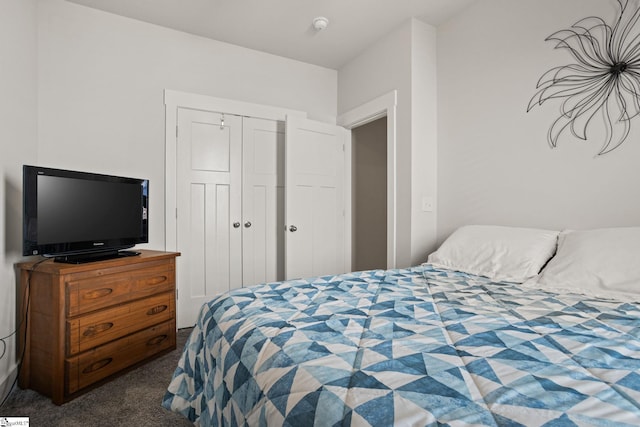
[7, 382]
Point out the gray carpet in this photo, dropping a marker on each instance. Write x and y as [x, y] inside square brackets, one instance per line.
[132, 399]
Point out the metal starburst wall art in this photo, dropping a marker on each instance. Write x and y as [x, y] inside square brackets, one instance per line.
[604, 79]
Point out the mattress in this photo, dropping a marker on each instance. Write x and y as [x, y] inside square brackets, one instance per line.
[415, 346]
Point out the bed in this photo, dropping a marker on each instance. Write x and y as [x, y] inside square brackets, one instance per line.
[492, 330]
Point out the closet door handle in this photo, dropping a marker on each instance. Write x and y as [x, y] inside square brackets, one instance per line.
[247, 224]
[293, 228]
[236, 224]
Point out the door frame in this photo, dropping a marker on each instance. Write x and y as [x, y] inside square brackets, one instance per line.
[382, 106]
[177, 99]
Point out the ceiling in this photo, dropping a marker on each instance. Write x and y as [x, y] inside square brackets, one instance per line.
[284, 27]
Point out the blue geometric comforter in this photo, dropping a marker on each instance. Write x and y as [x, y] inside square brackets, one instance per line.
[409, 347]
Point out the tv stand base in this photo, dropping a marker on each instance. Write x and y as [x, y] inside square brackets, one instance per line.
[94, 256]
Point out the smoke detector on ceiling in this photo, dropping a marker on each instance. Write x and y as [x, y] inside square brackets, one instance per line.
[320, 23]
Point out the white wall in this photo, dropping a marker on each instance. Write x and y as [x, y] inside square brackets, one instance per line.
[495, 165]
[17, 146]
[396, 62]
[101, 80]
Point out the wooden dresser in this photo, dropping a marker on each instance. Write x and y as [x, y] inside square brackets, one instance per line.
[86, 322]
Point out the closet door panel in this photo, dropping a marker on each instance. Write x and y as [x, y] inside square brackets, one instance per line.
[209, 202]
[262, 201]
[314, 198]
[234, 213]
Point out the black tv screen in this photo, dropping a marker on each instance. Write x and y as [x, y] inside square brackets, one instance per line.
[77, 216]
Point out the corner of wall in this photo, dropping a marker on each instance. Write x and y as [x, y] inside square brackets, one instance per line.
[8, 381]
[18, 107]
[424, 141]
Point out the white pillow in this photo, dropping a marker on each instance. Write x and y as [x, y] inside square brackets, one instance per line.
[598, 261]
[509, 254]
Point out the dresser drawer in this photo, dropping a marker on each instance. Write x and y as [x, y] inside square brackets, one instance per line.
[93, 293]
[93, 329]
[99, 363]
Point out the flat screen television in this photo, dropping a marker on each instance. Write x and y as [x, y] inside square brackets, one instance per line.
[79, 217]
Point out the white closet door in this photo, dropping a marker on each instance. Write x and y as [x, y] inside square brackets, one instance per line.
[262, 201]
[314, 198]
[208, 187]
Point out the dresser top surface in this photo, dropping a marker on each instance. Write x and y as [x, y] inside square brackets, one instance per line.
[50, 266]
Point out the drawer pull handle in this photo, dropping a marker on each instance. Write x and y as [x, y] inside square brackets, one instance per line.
[98, 293]
[157, 309]
[96, 329]
[97, 365]
[157, 340]
[156, 280]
